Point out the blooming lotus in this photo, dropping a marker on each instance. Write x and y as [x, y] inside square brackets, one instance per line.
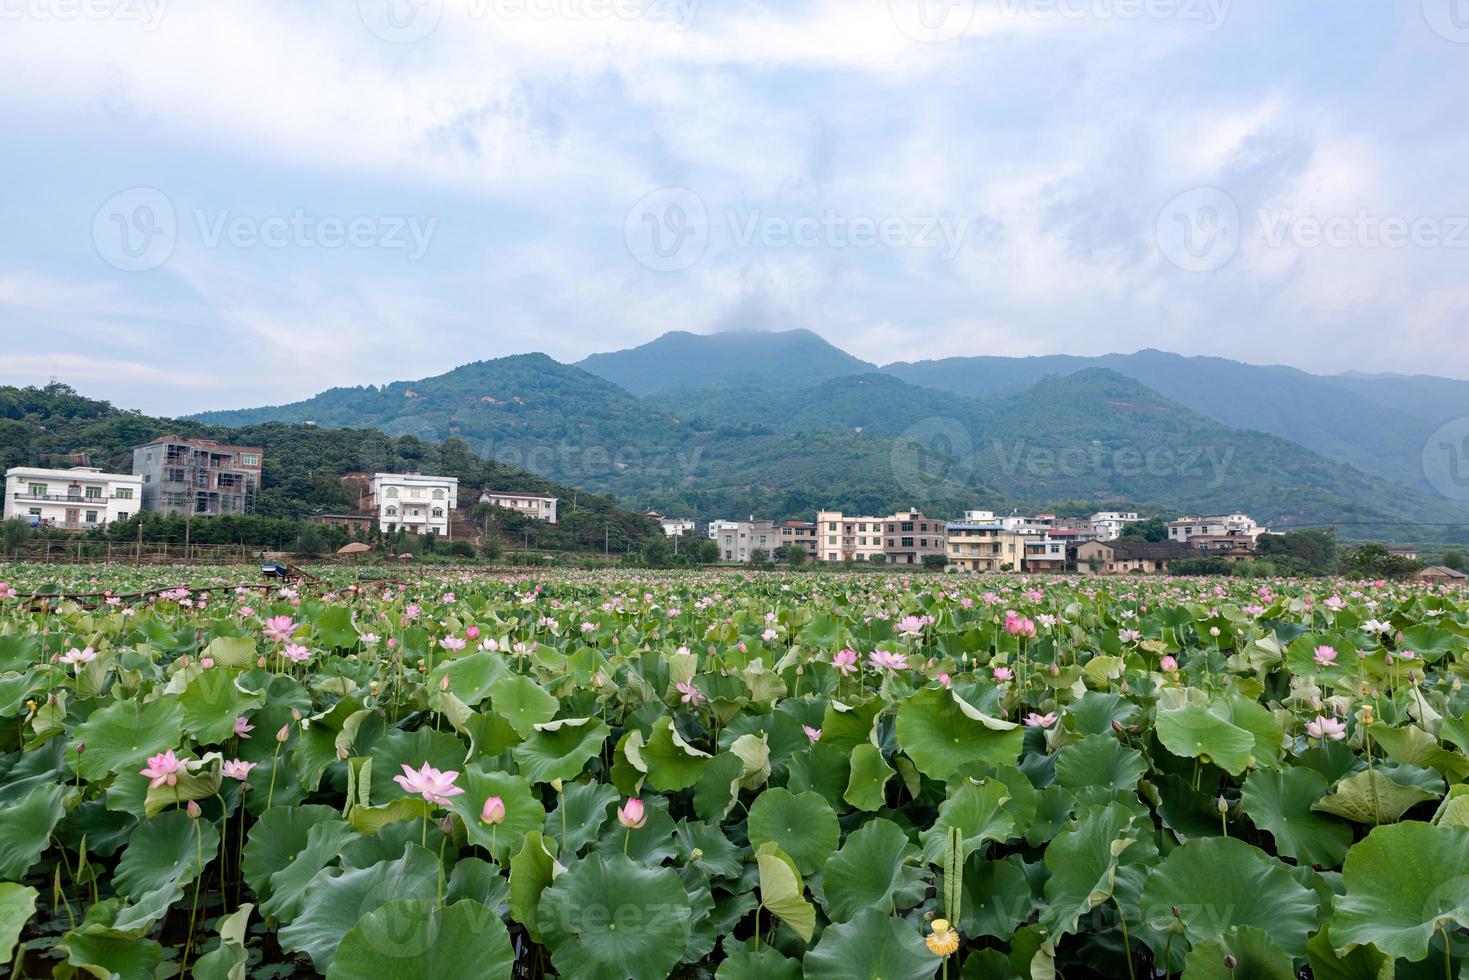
[911, 626]
[278, 629]
[1129, 636]
[452, 643]
[237, 769]
[690, 694]
[814, 734]
[430, 783]
[1325, 656]
[162, 769]
[1046, 720]
[74, 658]
[845, 661]
[1004, 674]
[296, 653]
[1327, 728]
[887, 660]
[243, 728]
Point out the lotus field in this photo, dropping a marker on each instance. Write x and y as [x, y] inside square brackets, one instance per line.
[609, 775]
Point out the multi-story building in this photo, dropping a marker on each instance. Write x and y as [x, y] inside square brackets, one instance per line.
[673, 527]
[1045, 554]
[1080, 527]
[413, 502]
[739, 540]
[1222, 525]
[1109, 524]
[974, 546]
[541, 506]
[841, 537]
[79, 498]
[909, 535]
[197, 477]
[1128, 557]
[801, 534]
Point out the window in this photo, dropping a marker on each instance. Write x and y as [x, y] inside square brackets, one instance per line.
[438, 495]
[908, 526]
[34, 512]
[123, 493]
[907, 542]
[392, 511]
[38, 489]
[392, 493]
[438, 512]
[174, 474]
[91, 517]
[122, 515]
[94, 493]
[250, 459]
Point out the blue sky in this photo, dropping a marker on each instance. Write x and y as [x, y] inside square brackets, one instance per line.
[222, 205]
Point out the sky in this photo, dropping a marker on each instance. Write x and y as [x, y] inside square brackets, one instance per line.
[219, 205]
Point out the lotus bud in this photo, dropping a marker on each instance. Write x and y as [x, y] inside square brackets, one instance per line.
[283, 734]
[51, 700]
[697, 854]
[1230, 962]
[342, 754]
[1117, 727]
[631, 814]
[556, 785]
[260, 661]
[295, 714]
[194, 810]
[81, 747]
[185, 660]
[448, 826]
[493, 812]
[1176, 913]
[1221, 805]
[1055, 670]
[444, 683]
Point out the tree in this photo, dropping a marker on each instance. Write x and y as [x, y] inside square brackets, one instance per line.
[1375, 561]
[935, 563]
[1152, 529]
[1454, 558]
[792, 554]
[760, 557]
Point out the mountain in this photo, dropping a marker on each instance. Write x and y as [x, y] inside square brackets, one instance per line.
[679, 359]
[720, 446]
[1333, 416]
[302, 465]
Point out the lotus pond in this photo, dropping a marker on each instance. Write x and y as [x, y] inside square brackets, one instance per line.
[623, 775]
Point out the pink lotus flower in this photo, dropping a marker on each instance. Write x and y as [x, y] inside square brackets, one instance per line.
[1046, 720]
[1325, 656]
[428, 782]
[278, 629]
[163, 769]
[631, 814]
[1328, 728]
[238, 769]
[1019, 626]
[691, 694]
[472, 633]
[845, 661]
[911, 625]
[945, 680]
[1129, 636]
[886, 660]
[1004, 674]
[1168, 664]
[814, 734]
[769, 635]
[243, 728]
[75, 658]
[493, 812]
[452, 643]
[296, 653]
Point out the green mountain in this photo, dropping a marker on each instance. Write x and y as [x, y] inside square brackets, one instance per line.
[714, 445]
[302, 465]
[745, 356]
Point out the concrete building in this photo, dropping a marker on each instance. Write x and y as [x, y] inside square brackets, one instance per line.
[413, 502]
[800, 533]
[974, 546]
[1128, 557]
[909, 535]
[78, 498]
[843, 538]
[673, 527]
[739, 540]
[1109, 524]
[197, 477]
[1045, 554]
[1222, 525]
[541, 506]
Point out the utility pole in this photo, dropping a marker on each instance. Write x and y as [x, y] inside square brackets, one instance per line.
[606, 538]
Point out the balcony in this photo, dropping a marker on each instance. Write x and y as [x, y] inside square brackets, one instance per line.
[64, 498]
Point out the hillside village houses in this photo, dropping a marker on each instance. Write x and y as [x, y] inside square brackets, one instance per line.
[78, 498]
[197, 477]
[541, 506]
[739, 540]
[413, 502]
[1223, 526]
[673, 527]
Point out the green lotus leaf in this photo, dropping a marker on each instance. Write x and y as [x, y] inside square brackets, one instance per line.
[820, 769]
[715, 854]
[672, 763]
[1218, 883]
[227, 960]
[334, 628]
[165, 852]
[848, 726]
[782, 893]
[867, 784]
[872, 946]
[17, 905]
[995, 897]
[559, 749]
[1255, 954]
[411, 939]
[370, 820]
[607, 918]
[1415, 746]
[277, 837]
[523, 812]
[522, 702]
[120, 737]
[1282, 801]
[213, 701]
[753, 751]
[287, 888]
[977, 808]
[1194, 731]
[231, 651]
[802, 825]
[765, 964]
[579, 817]
[103, 952]
[25, 828]
[1100, 761]
[1083, 861]
[939, 735]
[340, 898]
[1095, 712]
[1401, 883]
[1372, 797]
[1362, 963]
[531, 872]
[1256, 719]
[873, 863]
[471, 677]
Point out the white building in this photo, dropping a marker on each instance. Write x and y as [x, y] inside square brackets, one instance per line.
[541, 506]
[413, 502]
[1221, 525]
[79, 498]
[673, 527]
[739, 540]
[1109, 524]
